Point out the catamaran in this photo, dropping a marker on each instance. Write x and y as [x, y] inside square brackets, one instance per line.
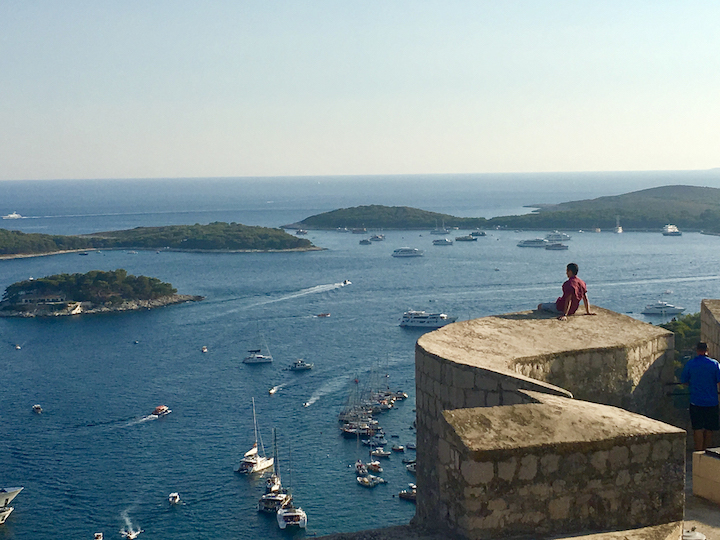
[6, 496]
[275, 496]
[255, 460]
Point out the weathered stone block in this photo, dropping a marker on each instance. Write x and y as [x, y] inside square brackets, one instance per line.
[599, 460]
[476, 473]
[559, 508]
[619, 457]
[661, 450]
[484, 382]
[640, 452]
[506, 469]
[549, 464]
[528, 468]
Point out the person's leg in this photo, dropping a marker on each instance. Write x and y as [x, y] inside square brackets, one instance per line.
[699, 439]
[707, 440]
[548, 306]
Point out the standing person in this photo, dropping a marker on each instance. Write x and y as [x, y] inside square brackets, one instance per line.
[574, 290]
[702, 373]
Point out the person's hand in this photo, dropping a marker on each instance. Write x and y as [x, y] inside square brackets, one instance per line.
[562, 318]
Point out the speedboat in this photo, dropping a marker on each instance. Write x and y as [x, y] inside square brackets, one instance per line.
[556, 247]
[398, 448]
[421, 319]
[174, 498]
[161, 410]
[204, 348]
[301, 365]
[322, 315]
[14, 215]
[380, 452]
[377, 237]
[557, 236]
[535, 242]
[130, 535]
[98, 536]
[6, 496]
[662, 308]
[442, 242]
[290, 516]
[409, 494]
[408, 252]
[347, 282]
[255, 356]
[37, 408]
[671, 230]
[411, 467]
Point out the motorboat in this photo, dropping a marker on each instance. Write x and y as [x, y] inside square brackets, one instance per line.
[409, 494]
[380, 452]
[411, 446]
[408, 252]
[161, 410]
[322, 315]
[98, 536]
[346, 282]
[301, 365]
[204, 348]
[6, 497]
[377, 237]
[300, 232]
[557, 236]
[360, 468]
[361, 230]
[375, 441]
[534, 243]
[13, 215]
[556, 247]
[411, 467]
[421, 319]
[370, 481]
[467, 238]
[618, 229]
[290, 516]
[254, 460]
[174, 498]
[478, 233]
[671, 230]
[398, 448]
[255, 356]
[662, 308]
[442, 242]
[131, 535]
[37, 409]
[365, 242]
[374, 466]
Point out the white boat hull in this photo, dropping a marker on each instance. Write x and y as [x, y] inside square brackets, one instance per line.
[291, 517]
[420, 319]
[5, 511]
[8, 494]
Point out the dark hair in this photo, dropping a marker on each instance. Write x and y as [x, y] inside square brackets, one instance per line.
[573, 268]
[701, 346]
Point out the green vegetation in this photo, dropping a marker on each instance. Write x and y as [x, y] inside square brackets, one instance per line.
[215, 236]
[96, 286]
[687, 333]
[388, 217]
[688, 207]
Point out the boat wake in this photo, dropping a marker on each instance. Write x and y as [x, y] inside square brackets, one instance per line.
[302, 292]
[330, 387]
[142, 420]
[128, 531]
[274, 389]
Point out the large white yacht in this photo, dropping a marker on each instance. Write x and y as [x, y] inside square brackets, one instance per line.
[557, 236]
[421, 319]
[14, 215]
[535, 242]
[408, 252]
[662, 308]
[6, 497]
[671, 230]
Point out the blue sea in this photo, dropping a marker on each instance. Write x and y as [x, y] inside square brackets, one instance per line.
[93, 461]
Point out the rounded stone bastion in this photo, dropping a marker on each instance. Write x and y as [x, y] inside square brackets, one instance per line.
[527, 425]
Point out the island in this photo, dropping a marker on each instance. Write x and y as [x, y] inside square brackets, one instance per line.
[93, 292]
[214, 237]
[691, 208]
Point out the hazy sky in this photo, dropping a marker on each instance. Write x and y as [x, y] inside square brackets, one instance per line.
[117, 89]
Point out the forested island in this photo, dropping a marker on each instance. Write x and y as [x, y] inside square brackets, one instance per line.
[216, 236]
[93, 292]
[688, 207]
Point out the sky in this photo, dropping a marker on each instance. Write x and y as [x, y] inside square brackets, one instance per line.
[145, 89]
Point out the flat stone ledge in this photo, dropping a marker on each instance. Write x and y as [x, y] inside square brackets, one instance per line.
[499, 342]
[669, 531]
[550, 421]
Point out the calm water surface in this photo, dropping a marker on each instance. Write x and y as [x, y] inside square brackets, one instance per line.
[91, 462]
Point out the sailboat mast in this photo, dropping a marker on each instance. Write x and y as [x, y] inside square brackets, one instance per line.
[254, 421]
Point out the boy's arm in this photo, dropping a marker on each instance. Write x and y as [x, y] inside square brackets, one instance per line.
[587, 305]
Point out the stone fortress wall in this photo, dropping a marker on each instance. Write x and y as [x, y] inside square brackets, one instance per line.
[519, 430]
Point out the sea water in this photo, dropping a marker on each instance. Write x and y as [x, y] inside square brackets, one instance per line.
[94, 461]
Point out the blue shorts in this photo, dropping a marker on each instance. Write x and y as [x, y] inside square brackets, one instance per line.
[550, 306]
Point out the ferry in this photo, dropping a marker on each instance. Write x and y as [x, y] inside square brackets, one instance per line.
[14, 215]
[536, 243]
[557, 236]
[421, 319]
[671, 230]
[408, 252]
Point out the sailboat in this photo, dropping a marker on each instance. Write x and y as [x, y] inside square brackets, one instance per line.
[256, 356]
[275, 496]
[255, 460]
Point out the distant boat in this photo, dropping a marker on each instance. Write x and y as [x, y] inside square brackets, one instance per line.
[438, 230]
[204, 348]
[662, 308]
[377, 237]
[407, 252]
[421, 319]
[478, 233]
[557, 236]
[442, 242]
[301, 232]
[322, 315]
[37, 409]
[174, 498]
[291, 516]
[6, 497]
[14, 215]
[275, 496]
[301, 365]
[365, 242]
[254, 460]
[160, 411]
[671, 230]
[467, 238]
[256, 356]
[534, 243]
[618, 229]
[556, 247]
[409, 494]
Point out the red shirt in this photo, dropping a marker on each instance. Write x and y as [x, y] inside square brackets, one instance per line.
[573, 291]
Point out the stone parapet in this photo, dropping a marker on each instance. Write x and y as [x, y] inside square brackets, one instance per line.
[558, 466]
[710, 326]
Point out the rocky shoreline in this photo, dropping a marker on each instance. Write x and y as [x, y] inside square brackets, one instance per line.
[84, 308]
[88, 250]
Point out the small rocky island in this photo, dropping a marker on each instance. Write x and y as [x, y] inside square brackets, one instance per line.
[93, 292]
